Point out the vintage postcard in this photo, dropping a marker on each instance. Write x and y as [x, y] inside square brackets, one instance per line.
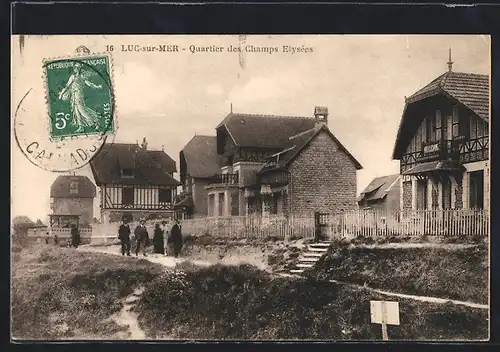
[250, 187]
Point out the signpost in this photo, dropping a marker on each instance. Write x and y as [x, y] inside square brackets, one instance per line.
[384, 312]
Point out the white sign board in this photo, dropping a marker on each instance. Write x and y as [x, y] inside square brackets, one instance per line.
[383, 312]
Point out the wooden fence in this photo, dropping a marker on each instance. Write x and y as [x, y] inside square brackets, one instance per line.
[348, 224]
[277, 226]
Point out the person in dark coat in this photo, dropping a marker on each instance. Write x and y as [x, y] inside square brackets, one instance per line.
[124, 236]
[141, 237]
[75, 236]
[176, 237]
[158, 241]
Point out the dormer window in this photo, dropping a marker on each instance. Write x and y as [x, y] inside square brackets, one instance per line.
[73, 187]
[128, 173]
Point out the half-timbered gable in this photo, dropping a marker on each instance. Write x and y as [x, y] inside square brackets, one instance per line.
[443, 144]
[134, 180]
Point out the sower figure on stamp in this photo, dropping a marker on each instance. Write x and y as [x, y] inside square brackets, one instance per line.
[75, 236]
[124, 236]
[141, 237]
[176, 236]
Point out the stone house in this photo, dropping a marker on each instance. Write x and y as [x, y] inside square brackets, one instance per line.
[284, 165]
[72, 201]
[382, 193]
[443, 144]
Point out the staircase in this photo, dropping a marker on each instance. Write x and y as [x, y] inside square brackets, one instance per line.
[310, 256]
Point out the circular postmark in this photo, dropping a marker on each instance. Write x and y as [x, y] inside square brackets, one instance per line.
[78, 118]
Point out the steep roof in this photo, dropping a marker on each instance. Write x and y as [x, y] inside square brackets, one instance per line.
[469, 89]
[269, 131]
[150, 167]
[296, 143]
[378, 188]
[61, 187]
[201, 156]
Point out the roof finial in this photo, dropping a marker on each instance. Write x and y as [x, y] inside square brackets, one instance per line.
[450, 63]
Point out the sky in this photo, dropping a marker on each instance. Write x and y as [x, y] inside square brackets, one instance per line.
[168, 97]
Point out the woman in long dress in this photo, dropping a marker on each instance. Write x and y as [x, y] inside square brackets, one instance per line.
[82, 115]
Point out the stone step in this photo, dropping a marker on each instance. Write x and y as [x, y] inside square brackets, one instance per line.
[296, 271]
[313, 254]
[304, 265]
[322, 249]
[308, 259]
[320, 244]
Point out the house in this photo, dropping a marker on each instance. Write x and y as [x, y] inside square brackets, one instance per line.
[134, 181]
[199, 162]
[443, 144]
[382, 193]
[279, 165]
[72, 201]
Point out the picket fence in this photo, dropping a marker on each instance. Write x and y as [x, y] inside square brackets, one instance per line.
[371, 223]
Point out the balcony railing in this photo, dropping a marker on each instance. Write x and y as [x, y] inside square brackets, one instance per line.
[231, 179]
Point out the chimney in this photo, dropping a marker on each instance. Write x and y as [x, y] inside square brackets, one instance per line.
[321, 115]
[144, 144]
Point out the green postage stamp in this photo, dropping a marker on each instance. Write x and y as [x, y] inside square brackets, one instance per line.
[79, 96]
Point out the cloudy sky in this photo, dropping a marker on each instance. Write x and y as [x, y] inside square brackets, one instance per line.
[169, 97]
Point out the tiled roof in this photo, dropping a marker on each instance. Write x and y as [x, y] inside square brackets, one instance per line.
[296, 143]
[201, 156]
[60, 187]
[378, 188]
[264, 130]
[470, 89]
[150, 167]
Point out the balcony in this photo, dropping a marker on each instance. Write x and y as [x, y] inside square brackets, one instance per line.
[439, 150]
[223, 181]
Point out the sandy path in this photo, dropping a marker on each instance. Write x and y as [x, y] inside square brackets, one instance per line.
[126, 317]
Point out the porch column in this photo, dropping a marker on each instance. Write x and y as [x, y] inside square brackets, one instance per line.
[413, 193]
[440, 195]
[401, 194]
[454, 186]
[216, 204]
[227, 203]
[430, 186]
[265, 206]
[465, 190]
[486, 190]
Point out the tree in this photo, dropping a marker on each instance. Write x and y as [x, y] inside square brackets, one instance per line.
[20, 225]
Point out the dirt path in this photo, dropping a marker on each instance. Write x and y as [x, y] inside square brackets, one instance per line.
[126, 317]
[418, 298]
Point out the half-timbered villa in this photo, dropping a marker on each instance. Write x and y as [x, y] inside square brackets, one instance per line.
[72, 202]
[382, 193]
[134, 181]
[443, 144]
[279, 165]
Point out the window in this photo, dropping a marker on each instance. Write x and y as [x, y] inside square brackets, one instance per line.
[456, 120]
[127, 196]
[165, 196]
[473, 128]
[480, 128]
[127, 173]
[476, 190]
[438, 125]
[431, 129]
[73, 187]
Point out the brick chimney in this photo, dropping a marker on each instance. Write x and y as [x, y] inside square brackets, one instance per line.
[144, 144]
[321, 115]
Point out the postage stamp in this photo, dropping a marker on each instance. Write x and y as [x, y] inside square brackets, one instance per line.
[79, 96]
[75, 112]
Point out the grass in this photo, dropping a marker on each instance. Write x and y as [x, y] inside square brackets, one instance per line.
[62, 293]
[459, 273]
[242, 302]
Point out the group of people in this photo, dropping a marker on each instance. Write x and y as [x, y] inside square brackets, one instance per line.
[161, 240]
